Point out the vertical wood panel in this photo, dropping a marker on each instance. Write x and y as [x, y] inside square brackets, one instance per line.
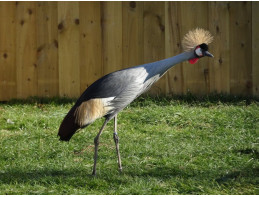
[196, 77]
[47, 48]
[90, 43]
[68, 35]
[26, 56]
[154, 39]
[219, 66]
[255, 47]
[173, 46]
[240, 53]
[133, 43]
[7, 51]
[112, 36]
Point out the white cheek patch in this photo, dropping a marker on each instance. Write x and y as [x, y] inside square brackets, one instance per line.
[198, 52]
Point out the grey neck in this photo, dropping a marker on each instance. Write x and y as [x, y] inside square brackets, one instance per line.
[160, 67]
[165, 64]
[179, 58]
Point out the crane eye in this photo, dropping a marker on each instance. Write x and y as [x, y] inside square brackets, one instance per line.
[204, 47]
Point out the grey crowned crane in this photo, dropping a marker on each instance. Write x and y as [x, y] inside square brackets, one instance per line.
[110, 94]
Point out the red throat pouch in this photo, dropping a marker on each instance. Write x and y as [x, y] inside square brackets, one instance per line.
[193, 61]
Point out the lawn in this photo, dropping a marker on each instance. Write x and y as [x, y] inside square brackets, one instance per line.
[168, 146]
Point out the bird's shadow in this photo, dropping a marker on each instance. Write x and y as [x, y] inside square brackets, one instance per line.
[74, 176]
[81, 180]
[45, 176]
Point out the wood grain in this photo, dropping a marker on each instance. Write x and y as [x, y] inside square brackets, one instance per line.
[7, 51]
[47, 48]
[26, 49]
[133, 36]
[60, 48]
[68, 48]
[173, 37]
[112, 36]
[91, 67]
[240, 53]
[219, 66]
[255, 48]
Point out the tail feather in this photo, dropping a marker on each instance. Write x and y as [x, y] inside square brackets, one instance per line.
[68, 126]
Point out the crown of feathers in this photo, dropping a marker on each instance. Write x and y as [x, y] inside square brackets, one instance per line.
[196, 37]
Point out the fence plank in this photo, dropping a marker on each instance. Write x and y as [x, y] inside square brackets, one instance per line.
[7, 51]
[196, 77]
[90, 43]
[219, 66]
[255, 48]
[26, 52]
[240, 54]
[47, 48]
[68, 48]
[112, 36]
[154, 39]
[173, 38]
[133, 43]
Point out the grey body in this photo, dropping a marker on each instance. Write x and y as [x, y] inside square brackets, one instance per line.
[126, 85]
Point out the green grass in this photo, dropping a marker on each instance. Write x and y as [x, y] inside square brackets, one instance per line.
[168, 146]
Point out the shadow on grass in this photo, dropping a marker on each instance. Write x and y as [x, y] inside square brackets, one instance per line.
[45, 176]
[254, 153]
[248, 173]
[79, 178]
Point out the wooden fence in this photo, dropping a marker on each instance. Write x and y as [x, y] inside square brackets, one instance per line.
[60, 48]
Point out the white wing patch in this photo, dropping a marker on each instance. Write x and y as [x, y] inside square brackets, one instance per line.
[107, 103]
[142, 72]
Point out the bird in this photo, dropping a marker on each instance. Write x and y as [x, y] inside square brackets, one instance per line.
[110, 94]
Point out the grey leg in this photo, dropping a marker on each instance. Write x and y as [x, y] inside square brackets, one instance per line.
[96, 143]
[116, 140]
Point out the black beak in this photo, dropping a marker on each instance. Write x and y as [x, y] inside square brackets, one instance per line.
[207, 53]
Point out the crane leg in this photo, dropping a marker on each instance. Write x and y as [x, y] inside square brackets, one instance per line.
[96, 143]
[116, 140]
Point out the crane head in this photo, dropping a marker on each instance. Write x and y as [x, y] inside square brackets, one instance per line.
[197, 41]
